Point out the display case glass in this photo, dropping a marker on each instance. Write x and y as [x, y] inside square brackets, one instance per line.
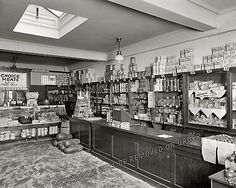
[207, 99]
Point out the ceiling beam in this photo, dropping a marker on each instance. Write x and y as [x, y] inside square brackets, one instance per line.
[55, 51]
[182, 12]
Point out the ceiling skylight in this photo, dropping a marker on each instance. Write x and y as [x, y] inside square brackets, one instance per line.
[56, 12]
[46, 22]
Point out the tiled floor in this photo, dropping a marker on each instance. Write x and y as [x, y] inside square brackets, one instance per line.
[39, 164]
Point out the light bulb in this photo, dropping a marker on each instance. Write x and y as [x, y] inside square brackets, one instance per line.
[119, 56]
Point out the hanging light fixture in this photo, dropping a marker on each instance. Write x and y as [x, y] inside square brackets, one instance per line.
[14, 62]
[119, 56]
[37, 13]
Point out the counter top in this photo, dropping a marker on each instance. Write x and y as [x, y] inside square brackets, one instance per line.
[193, 141]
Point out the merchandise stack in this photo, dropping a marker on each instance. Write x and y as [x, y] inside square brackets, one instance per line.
[133, 73]
[186, 60]
[62, 79]
[67, 144]
[86, 76]
[111, 72]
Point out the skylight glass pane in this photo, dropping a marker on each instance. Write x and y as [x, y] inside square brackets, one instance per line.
[56, 12]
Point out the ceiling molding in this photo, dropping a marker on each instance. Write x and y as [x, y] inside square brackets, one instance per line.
[209, 7]
[182, 12]
[205, 5]
[55, 51]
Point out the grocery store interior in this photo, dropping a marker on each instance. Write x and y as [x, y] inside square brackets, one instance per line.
[112, 93]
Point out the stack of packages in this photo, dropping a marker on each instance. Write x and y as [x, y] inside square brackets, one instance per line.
[186, 60]
[111, 72]
[133, 73]
[67, 144]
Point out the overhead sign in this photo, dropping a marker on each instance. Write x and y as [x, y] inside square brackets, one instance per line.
[13, 81]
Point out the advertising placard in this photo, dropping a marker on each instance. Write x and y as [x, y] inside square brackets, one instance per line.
[13, 81]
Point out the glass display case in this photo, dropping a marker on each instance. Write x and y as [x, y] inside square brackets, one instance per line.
[207, 99]
[25, 122]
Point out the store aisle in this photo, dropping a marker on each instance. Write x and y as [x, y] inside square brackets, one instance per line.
[39, 164]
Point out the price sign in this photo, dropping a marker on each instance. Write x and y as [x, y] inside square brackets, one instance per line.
[174, 73]
[153, 76]
[13, 81]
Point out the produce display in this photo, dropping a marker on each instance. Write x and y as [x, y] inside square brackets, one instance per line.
[63, 136]
[49, 117]
[66, 144]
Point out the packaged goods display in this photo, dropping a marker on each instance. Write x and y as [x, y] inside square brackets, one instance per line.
[221, 56]
[119, 88]
[207, 103]
[133, 71]
[62, 79]
[120, 100]
[121, 73]
[186, 60]
[93, 98]
[168, 84]
[144, 85]
[111, 72]
[171, 79]
[140, 106]
[165, 65]
[103, 98]
[58, 95]
[86, 76]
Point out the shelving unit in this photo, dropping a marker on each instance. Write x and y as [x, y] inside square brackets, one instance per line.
[174, 108]
[168, 100]
[47, 124]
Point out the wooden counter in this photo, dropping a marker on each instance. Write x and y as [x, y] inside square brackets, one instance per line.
[176, 161]
[218, 180]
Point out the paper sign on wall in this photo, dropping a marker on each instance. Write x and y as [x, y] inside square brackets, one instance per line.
[13, 81]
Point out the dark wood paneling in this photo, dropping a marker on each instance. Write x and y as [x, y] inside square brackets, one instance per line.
[85, 135]
[81, 129]
[124, 149]
[102, 140]
[179, 165]
[192, 172]
[154, 159]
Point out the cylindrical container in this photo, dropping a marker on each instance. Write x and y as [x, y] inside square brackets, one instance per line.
[45, 131]
[2, 137]
[23, 135]
[39, 132]
[7, 135]
[33, 132]
[12, 136]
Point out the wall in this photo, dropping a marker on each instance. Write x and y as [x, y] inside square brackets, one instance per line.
[34, 66]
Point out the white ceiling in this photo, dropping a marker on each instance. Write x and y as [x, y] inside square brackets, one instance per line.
[108, 19]
[217, 6]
